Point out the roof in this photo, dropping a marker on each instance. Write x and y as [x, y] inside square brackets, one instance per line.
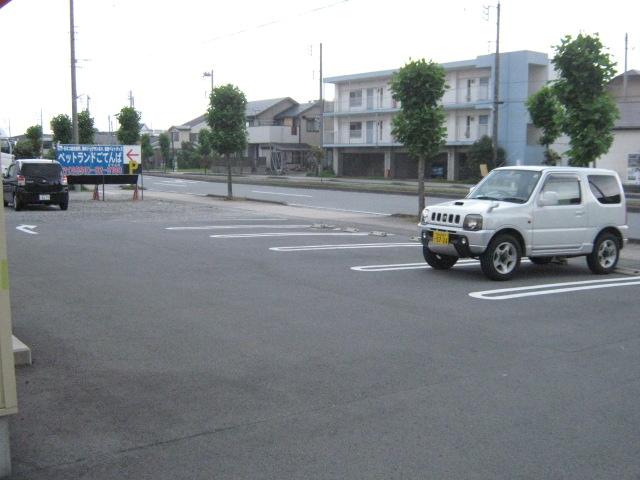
[297, 110]
[558, 169]
[256, 107]
[195, 121]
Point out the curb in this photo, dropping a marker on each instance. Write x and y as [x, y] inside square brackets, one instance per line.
[21, 353]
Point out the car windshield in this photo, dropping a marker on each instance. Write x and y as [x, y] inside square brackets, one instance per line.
[507, 186]
[46, 170]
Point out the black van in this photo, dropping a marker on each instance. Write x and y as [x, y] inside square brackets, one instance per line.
[35, 181]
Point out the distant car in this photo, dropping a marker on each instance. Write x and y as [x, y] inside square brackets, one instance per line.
[535, 212]
[35, 181]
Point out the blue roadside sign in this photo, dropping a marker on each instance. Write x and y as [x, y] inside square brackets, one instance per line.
[99, 159]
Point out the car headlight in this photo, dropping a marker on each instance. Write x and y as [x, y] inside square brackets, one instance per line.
[472, 222]
[425, 215]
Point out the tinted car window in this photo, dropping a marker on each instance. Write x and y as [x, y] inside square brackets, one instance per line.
[46, 170]
[605, 188]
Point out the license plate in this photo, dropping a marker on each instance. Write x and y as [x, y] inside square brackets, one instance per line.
[441, 238]
[44, 197]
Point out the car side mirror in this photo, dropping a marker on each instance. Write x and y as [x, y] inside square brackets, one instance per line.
[548, 199]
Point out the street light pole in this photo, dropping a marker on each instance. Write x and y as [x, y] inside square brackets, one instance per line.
[209, 74]
[74, 94]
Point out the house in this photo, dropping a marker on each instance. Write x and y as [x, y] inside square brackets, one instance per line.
[624, 154]
[359, 139]
[280, 133]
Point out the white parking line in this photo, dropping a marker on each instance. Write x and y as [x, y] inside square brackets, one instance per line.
[552, 288]
[407, 266]
[338, 209]
[229, 227]
[283, 194]
[289, 234]
[344, 246]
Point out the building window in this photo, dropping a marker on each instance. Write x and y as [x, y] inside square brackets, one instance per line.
[313, 124]
[355, 130]
[175, 136]
[483, 125]
[355, 98]
[483, 89]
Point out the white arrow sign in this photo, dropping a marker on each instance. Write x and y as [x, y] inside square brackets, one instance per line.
[27, 229]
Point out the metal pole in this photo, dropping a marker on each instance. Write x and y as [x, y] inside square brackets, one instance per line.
[321, 113]
[624, 75]
[74, 92]
[496, 90]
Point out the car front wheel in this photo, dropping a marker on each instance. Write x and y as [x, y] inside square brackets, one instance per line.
[501, 259]
[438, 261]
[604, 256]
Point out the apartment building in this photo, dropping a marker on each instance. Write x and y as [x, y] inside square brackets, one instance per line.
[358, 122]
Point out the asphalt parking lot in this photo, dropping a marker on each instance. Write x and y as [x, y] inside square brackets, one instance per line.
[195, 338]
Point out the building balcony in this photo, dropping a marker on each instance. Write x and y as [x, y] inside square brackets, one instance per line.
[271, 134]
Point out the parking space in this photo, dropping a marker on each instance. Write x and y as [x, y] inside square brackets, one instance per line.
[164, 328]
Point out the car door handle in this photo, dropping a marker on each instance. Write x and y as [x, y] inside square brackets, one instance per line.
[579, 213]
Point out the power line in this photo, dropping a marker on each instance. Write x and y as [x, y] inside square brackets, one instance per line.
[275, 22]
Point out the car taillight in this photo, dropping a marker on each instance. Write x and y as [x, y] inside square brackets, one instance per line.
[63, 180]
[21, 181]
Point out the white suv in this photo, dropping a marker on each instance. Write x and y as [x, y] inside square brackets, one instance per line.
[537, 212]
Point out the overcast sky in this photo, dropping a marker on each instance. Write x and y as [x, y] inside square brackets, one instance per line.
[159, 49]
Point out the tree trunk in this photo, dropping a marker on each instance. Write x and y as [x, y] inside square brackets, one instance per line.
[420, 185]
[229, 188]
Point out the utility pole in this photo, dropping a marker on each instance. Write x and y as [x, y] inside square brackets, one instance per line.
[624, 75]
[321, 112]
[131, 101]
[496, 89]
[74, 93]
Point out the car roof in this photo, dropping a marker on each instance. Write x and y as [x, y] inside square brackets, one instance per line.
[37, 160]
[559, 169]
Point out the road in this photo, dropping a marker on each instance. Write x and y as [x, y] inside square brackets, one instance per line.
[186, 337]
[357, 202]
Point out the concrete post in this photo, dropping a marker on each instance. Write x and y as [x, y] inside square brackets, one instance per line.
[337, 162]
[388, 172]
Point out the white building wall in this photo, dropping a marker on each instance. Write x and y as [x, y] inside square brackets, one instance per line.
[625, 142]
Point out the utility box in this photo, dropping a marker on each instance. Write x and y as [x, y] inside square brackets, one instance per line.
[8, 396]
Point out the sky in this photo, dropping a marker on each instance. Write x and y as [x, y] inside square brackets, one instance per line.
[158, 50]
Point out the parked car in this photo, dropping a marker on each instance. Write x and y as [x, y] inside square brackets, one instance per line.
[35, 181]
[537, 212]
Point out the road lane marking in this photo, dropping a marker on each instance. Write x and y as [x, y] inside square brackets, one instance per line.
[283, 194]
[228, 227]
[345, 246]
[553, 288]
[408, 266]
[27, 229]
[338, 209]
[289, 234]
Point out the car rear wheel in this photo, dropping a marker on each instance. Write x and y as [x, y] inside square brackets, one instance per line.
[438, 261]
[604, 256]
[501, 259]
[17, 203]
[64, 204]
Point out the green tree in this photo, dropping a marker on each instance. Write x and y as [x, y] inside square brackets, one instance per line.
[62, 129]
[480, 152]
[24, 149]
[86, 131]
[146, 149]
[578, 104]
[165, 149]
[34, 136]
[419, 86]
[546, 114]
[129, 131]
[188, 157]
[226, 117]
[204, 148]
